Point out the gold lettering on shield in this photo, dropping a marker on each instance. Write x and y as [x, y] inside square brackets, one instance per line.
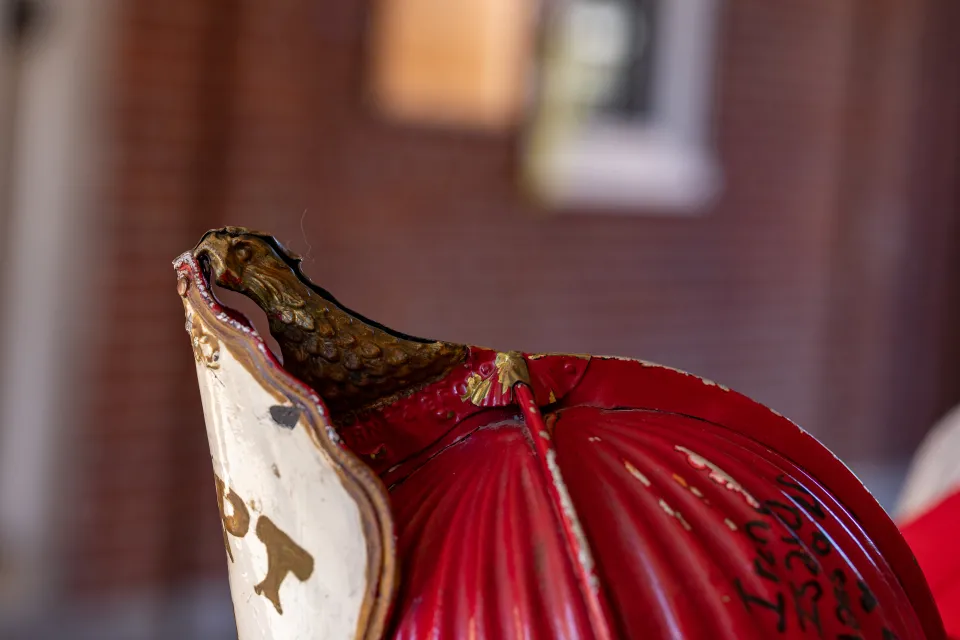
[283, 556]
[237, 523]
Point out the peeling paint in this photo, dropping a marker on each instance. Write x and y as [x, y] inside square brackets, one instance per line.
[285, 416]
[674, 514]
[717, 475]
[711, 383]
[637, 474]
[251, 388]
[656, 365]
[566, 503]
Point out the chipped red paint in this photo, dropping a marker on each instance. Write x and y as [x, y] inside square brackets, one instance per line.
[694, 528]
[610, 498]
[703, 513]
[388, 436]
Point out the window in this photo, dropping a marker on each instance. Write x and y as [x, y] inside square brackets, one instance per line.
[624, 106]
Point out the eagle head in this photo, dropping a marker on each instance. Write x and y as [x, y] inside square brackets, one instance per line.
[248, 262]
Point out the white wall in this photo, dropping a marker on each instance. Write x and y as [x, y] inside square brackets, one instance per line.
[47, 312]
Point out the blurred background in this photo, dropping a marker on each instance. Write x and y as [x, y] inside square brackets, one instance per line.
[762, 193]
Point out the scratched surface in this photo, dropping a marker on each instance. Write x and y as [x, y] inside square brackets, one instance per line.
[295, 544]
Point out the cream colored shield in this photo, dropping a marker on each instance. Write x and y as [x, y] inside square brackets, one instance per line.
[307, 526]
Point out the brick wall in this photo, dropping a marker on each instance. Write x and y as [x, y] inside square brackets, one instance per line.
[252, 113]
[145, 484]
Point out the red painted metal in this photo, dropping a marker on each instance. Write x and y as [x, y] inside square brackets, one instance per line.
[541, 435]
[931, 536]
[613, 498]
[608, 498]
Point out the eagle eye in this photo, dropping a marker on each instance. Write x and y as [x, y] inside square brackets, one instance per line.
[244, 253]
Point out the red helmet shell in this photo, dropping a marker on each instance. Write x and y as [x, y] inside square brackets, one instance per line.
[702, 513]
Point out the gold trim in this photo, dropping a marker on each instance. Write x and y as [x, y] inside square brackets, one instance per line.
[511, 369]
[477, 389]
[537, 356]
[206, 347]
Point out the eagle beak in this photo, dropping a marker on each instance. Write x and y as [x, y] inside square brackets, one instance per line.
[210, 254]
